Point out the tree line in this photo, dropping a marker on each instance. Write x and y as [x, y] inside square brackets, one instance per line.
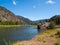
[9, 23]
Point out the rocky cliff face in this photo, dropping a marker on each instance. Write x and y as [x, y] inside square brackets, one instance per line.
[6, 15]
[26, 20]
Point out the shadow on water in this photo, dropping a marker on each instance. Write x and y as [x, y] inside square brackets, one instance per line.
[13, 34]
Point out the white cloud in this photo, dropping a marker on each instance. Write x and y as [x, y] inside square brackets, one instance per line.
[50, 2]
[14, 2]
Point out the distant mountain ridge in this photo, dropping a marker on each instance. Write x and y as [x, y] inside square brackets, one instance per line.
[6, 15]
[55, 18]
[43, 20]
[26, 20]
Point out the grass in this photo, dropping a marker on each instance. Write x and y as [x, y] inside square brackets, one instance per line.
[14, 25]
[20, 44]
[49, 32]
[9, 25]
[51, 35]
[57, 43]
[7, 43]
[41, 39]
[58, 33]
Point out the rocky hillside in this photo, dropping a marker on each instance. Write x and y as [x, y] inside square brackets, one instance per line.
[55, 18]
[6, 15]
[26, 20]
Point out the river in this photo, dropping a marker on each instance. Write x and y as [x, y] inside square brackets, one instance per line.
[12, 34]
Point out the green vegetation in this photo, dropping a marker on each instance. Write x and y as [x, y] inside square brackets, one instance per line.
[21, 44]
[51, 25]
[56, 19]
[56, 43]
[9, 23]
[58, 34]
[51, 35]
[42, 22]
[41, 39]
[7, 43]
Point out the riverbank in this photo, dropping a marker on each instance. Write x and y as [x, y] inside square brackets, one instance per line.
[14, 25]
[45, 38]
[9, 25]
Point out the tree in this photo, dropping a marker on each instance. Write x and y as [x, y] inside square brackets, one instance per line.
[9, 23]
[56, 19]
[52, 25]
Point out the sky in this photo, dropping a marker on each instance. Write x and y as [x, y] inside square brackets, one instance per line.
[33, 9]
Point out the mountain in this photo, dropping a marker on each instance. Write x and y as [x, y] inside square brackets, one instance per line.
[43, 20]
[8, 16]
[56, 19]
[26, 20]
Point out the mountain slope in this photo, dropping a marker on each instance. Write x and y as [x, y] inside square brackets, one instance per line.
[26, 20]
[43, 20]
[56, 19]
[6, 15]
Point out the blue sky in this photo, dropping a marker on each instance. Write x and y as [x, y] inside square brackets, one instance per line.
[33, 9]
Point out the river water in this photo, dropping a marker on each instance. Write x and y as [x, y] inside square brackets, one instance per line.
[13, 34]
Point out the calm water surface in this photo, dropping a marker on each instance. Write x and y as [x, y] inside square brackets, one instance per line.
[13, 34]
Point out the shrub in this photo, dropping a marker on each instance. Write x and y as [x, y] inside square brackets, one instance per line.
[51, 25]
[56, 43]
[58, 33]
[41, 39]
[56, 19]
[51, 35]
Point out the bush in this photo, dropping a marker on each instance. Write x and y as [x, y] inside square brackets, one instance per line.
[56, 43]
[41, 39]
[56, 19]
[51, 25]
[58, 34]
[51, 35]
